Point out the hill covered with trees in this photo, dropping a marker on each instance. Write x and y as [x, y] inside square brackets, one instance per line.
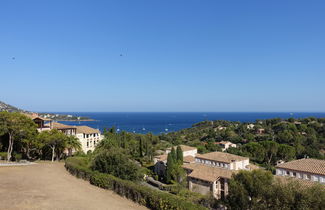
[264, 141]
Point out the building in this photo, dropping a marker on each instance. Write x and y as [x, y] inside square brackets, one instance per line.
[250, 126]
[307, 169]
[206, 179]
[43, 124]
[223, 160]
[160, 161]
[211, 172]
[88, 137]
[260, 131]
[68, 130]
[226, 144]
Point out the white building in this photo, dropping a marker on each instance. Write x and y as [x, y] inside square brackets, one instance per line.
[223, 160]
[226, 144]
[307, 169]
[211, 172]
[89, 137]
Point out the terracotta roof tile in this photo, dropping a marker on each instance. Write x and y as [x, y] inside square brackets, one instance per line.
[207, 173]
[221, 157]
[310, 165]
[57, 125]
[184, 148]
[86, 130]
[189, 159]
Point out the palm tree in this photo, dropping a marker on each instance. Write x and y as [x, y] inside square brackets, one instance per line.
[73, 143]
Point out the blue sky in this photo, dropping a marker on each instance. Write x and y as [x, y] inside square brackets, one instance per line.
[177, 55]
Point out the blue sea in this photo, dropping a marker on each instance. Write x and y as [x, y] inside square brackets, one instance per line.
[163, 122]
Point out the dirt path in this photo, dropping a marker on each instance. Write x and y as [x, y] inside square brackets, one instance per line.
[50, 186]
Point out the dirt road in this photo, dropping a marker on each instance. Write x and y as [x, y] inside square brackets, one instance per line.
[49, 186]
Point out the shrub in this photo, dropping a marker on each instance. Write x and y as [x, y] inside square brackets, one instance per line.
[17, 157]
[3, 156]
[143, 195]
[114, 162]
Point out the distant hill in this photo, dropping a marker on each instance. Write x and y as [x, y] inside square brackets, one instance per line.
[52, 116]
[9, 108]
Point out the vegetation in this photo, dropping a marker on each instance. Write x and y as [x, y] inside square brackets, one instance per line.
[17, 127]
[174, 171]
[257, 189]
[266, 141]
[121, 159]
[20, 139]
[143, 195]
[116, 163]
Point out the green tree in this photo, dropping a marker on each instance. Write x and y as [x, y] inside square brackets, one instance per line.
[115, 162]
[255, 150]
[31, 145]
[271, 149]
[179, 155]
[17, 126]
[173, 153]
[54, 139]
[169, 168]
[286, 152]
[140, 146]
[72, 143]
[248, 189]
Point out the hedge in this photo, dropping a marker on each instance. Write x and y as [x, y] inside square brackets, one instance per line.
[143, 195]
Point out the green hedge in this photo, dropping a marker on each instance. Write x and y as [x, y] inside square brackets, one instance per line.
[143, 195]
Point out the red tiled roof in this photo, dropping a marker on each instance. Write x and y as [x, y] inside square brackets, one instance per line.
[221, 157]
[308, 165]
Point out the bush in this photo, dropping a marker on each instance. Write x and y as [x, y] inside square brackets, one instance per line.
[143, 195]
[114, 162]
[3, 156]
[18, 157]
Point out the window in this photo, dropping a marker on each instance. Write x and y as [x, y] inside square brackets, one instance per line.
[87, 143]
[308, 176]
[288, 173]
[294, 174]
[315, 179]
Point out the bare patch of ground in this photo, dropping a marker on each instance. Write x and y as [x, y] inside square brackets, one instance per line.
[49, 186]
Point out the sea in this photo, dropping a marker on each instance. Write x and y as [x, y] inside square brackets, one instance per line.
[164, 122]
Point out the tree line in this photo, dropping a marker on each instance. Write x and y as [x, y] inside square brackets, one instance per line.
[19, 138]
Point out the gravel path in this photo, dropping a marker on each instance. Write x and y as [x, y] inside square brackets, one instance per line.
[49, 186]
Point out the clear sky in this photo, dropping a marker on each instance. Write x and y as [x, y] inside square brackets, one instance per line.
[163, 55]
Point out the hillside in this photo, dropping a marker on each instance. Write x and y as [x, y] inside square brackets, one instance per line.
[265, 141]
[52, 116]
[9, 108]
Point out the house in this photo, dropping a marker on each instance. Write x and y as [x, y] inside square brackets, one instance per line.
[223, 160]
[68, 130]
[226, 144]
[160, 161]
[205, 179]
[43, 124]
[260, 131]
[88, 137]
[220, 128]
[250, 126]
[211, 172]
[307, 169]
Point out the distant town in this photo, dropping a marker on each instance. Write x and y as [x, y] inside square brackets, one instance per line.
[52, 116]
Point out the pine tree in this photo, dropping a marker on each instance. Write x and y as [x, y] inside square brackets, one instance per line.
[170, 167]
[179, 155]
